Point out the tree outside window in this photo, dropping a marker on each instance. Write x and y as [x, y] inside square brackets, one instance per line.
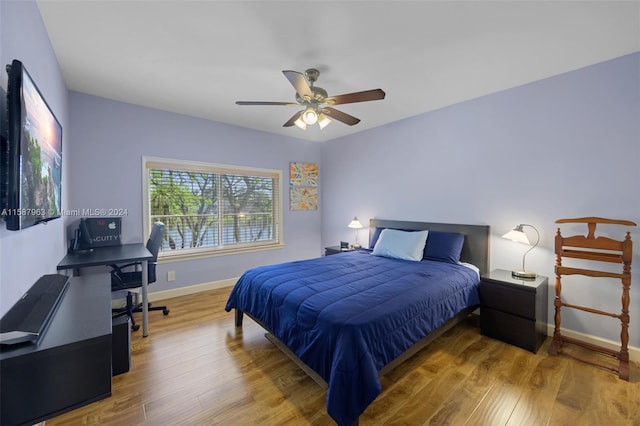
[208, 207]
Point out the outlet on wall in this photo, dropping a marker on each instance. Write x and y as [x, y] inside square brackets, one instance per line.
[171, 276]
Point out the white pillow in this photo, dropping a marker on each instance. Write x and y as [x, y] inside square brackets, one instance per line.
[401, 244]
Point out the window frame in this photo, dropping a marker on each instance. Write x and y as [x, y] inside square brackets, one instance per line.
[204, 167]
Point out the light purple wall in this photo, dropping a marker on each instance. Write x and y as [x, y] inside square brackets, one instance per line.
[564, 147]
[26, 255]
[109, 140]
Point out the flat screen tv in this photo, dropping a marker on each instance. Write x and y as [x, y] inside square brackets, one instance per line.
[32, 155]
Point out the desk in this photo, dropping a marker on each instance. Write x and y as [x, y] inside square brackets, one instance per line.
[125, 253]
[71, 366]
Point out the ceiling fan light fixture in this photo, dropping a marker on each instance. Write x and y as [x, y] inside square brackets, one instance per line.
[300, 123]
[323, 121]
[310, 116]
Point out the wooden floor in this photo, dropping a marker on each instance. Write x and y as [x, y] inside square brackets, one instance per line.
[195, 368]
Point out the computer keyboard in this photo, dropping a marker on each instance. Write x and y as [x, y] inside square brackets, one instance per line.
[28, 319]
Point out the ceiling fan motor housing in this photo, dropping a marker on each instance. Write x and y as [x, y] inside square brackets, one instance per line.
[319, 95]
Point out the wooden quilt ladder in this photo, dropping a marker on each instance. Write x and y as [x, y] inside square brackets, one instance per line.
[600, 249]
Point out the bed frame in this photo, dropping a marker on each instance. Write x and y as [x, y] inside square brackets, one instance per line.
[475, 250]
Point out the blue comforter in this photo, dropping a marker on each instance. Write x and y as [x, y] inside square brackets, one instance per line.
[347, 315]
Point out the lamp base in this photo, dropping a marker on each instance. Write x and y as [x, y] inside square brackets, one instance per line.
[524, 275]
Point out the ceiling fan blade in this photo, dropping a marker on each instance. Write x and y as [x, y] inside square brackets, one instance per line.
[340, 116]
[349, 98]
[265, 103]
[292, 120]
[299, 82]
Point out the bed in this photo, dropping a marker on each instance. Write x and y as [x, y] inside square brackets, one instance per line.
[350, 317]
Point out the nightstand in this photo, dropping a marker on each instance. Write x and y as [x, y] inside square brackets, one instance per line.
[335, 250]
[514, 310]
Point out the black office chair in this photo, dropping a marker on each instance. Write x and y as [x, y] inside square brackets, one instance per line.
[127, 280]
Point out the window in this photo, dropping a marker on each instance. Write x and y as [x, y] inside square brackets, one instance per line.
[211, 209]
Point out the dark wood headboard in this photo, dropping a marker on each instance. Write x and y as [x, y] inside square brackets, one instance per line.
[476, 242]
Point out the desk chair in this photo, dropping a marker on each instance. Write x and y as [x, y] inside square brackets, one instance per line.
[132, 279]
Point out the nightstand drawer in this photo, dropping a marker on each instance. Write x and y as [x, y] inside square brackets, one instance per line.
[509, 299]
[511, 329]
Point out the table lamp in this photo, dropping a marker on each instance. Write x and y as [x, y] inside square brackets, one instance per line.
[517, 234]
[355, 223]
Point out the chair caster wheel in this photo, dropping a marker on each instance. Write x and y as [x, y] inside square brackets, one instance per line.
[135, 327]
[165, 311]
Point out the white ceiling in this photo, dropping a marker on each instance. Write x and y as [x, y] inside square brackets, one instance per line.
[198, 57]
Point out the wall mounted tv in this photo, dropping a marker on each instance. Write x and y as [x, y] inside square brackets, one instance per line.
[32, 155]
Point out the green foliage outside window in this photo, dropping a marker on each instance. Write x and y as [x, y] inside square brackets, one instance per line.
[203, 209]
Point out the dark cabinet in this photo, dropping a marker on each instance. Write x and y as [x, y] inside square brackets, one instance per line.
[514, 310]
[71, 366]
[335, 250]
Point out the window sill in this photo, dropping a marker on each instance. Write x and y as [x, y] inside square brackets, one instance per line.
[168, 257]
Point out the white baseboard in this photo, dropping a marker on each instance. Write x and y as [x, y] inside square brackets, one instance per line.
[634, 353]
[192, 289]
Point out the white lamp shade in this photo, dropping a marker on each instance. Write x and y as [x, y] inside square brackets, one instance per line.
[300, 123]
[517, 235]
[323, 121]
[355, 223]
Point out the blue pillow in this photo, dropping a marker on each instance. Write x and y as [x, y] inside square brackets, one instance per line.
[444, 246]
[407, 245]
[374, 237]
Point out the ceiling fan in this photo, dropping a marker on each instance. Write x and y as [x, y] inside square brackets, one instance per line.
[316, 102]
